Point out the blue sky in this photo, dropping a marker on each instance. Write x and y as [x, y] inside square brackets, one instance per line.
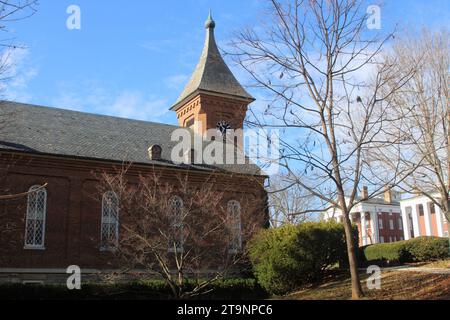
[132, 58]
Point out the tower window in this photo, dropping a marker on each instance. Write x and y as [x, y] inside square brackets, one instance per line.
[190, 122]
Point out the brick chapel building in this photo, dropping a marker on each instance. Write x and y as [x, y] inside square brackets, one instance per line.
[51, 154]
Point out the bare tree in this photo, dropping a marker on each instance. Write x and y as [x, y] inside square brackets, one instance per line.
[286, 201]
[10, 12]
[181, 231]
[422, 107]
[313, 60]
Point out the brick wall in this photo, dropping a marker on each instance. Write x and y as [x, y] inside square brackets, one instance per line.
[74, 208]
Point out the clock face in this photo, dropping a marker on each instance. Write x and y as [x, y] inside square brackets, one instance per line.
[223, 126]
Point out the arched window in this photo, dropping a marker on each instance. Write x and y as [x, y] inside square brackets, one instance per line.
[176, 224]
[35, 220]
[234, 216]
[110, 221]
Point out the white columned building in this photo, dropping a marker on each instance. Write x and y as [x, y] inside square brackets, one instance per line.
[406, 224]
[363, 228]
[375, 227]
[434, 224]
[440, 226]
[415, 218]
[427, 214]
[383, 222]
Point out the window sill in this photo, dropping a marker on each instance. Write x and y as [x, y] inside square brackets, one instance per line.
[33, 248]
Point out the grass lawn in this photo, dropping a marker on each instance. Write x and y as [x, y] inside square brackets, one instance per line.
[395, 285]
[444, 264]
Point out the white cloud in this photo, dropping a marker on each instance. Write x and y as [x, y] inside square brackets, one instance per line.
[177, 81]
[16, 73]
[90, 96]
[134, 104]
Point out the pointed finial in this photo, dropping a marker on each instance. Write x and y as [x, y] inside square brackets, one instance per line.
[210, 24]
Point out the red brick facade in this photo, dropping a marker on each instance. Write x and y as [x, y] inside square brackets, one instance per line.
[392, 230]
[73, 215]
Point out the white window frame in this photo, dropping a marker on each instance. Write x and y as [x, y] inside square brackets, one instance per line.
[105, 246]
[400, 223]
[176, 221]
[380, 223]
[33, 192]
[391, 224]
[234, 208]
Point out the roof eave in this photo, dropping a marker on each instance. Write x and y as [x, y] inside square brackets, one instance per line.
[183, 101]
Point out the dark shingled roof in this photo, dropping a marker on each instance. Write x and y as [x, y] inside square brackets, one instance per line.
[212, 74]
[44, 130]
[379, 200]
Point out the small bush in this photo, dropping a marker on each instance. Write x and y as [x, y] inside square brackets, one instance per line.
[395, 252]
[415, 250]
[285, 258]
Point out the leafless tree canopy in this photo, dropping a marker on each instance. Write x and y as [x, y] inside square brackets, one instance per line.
[326, 92]
[181, 231]
[422, 107]
[286, 201]
[10, 12]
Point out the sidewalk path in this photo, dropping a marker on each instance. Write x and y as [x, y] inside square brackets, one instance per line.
[419, 269]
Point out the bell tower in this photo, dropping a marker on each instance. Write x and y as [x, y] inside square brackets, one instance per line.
[213, 97]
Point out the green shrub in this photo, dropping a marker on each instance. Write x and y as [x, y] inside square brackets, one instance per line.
[420, 249]
[395, 252]
[428, 248]
[285, 258]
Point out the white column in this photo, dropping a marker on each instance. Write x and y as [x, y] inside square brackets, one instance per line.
[427, 215]
[415, 221]
[363, 228]
[439, 221]
[375, 228]
[406, 226]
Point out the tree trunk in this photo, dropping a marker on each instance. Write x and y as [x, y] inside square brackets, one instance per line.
[447, 213]
[357, 291]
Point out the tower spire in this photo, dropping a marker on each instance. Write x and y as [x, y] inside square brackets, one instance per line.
[210, 23]
[213, 98]
[212, 75]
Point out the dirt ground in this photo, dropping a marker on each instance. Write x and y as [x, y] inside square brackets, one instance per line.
[395, 285]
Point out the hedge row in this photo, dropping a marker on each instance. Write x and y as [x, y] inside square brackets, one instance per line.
[285, 258]
[229, 289]
[420, 249]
